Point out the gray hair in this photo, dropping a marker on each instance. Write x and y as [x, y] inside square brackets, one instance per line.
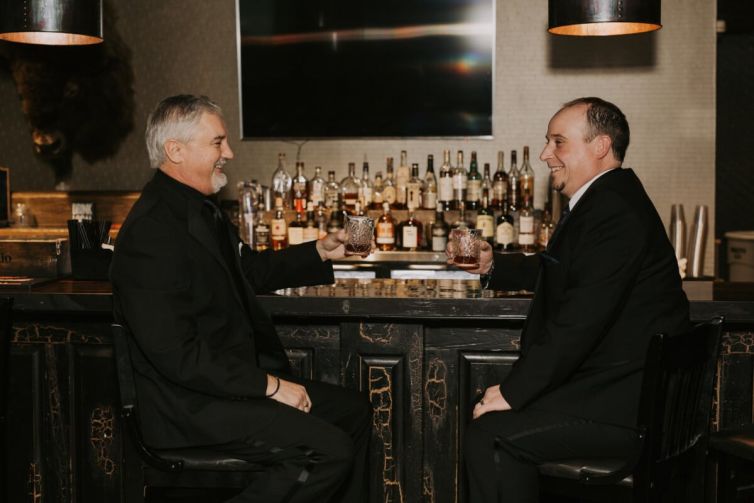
[174, 118]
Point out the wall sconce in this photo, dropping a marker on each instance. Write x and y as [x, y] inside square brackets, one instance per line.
[51, 22]
[603, 17]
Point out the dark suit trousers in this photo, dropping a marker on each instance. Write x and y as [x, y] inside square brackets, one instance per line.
[335, 432]
[502, 450]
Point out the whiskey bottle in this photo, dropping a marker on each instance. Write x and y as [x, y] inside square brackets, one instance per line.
[377, 192]
[473, 185]
[486, 221]
[487, 183]
[526, 241]
[317, 187]
[445, 189]
[337, 217]
[385, 230]
[402, 176]
[429, 187]
[411, 231]
[499, 183]
[281, 183]
[261, 234]
[513, 195]
[526, 179]
[365, 190]
[311, 231]
[296, 230]
[388, 190]
[299, 188]
[505, 232]
[278, 227]
[332, 190]
[349, 188]
[439, 231]
[459, 182]
[414, 188]
[321, 221]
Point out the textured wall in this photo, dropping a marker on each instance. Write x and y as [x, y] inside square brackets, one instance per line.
[664, 82]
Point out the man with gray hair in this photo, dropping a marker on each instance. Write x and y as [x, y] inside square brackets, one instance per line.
[209, 367]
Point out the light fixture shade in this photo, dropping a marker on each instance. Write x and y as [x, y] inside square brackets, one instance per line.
[603, 17]
[51, 22]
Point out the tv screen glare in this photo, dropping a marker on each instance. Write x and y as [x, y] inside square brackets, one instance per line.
[366, 68]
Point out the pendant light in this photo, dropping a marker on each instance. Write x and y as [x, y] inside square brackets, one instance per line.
[51, 22]
[603, 17]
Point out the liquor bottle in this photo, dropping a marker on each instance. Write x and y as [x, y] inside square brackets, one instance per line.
[461, 222]
[247, 211]
[317, 187]
[385, 230]
[402, 176]
[486, 221]
[321, 221]
[311, 231]
[429, 187]
[487, 183]
[388, 190]
[281, 182]
[473, 185]
[459, 182]
[377, 195]
[332, 190]
[526, 179]
[411, 231]
[299, 188]
[414, 188]
[359, 211]
[526, 227]
[261, 233]
[365, 190]
[445, 189]
[296, 230]
[499, 183]
[439, 231]
[278, 227]
[505, 233]
[546, 228]
[513, 196]
[349, 188]
[337, 218]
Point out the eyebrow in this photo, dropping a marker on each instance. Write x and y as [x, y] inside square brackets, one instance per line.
[219, 137]
[556, 135]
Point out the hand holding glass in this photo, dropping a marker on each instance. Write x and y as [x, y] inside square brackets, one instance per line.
[465, 247]
[359, 233]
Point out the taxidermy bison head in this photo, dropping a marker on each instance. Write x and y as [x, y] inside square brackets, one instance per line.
[78, 99]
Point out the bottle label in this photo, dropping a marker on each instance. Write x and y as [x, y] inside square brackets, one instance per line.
[350, 200]
[430, 200]
[504, 234]
[473, 190]
[331, 197]
[278, 229]
[388, 195]
[262, 235]
[311, 234]
[385, 233]
[410, 237]
[295, 235]
[366, 196]
[414, 196]
[316, 192]
[525, 239]
[486, 224]
[459, 181]
[526, 224]
[439, 243]
[446, 188]
[377, 198]
[498, 190]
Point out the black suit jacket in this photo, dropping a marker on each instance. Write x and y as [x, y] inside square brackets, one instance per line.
[201, 346]
[607, 282]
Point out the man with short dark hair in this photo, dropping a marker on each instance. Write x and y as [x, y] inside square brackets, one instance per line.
[209, 368]
[606, 283]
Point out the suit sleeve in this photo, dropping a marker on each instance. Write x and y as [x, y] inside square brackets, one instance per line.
[298, 265]
[514, 271]
[153, 292]
[610, 247]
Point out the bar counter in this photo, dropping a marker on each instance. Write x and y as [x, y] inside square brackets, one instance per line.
[421, 349]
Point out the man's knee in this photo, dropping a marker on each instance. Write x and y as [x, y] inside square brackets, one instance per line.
[478, 441]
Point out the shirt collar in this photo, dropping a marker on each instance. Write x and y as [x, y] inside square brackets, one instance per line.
[577, 195]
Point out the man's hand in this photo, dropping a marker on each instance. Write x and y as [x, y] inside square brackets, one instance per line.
[289, 393]
[491, 401]
[332, 246]
[485, 257]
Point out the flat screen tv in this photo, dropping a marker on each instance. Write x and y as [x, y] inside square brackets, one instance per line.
[366, 68]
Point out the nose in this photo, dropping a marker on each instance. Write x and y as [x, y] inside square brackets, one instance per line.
[546, 152]
[227, 152]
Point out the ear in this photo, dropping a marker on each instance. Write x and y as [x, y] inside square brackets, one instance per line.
[174, 151]
[603, 146]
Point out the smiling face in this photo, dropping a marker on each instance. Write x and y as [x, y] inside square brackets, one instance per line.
[201, 159]
[572, 160]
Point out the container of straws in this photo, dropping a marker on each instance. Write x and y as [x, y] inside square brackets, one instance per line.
[89, 259]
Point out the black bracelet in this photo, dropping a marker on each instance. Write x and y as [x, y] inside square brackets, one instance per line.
[277, 388]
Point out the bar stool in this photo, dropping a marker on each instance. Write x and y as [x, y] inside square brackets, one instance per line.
[734, 451]
[6, 332]
[672, 425]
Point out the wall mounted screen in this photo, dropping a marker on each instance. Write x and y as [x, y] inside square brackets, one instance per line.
[366, 68]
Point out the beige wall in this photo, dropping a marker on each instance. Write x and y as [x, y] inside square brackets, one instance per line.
[664, 82]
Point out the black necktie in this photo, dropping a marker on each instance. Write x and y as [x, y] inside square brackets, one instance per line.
[222, 233]
[561, 222]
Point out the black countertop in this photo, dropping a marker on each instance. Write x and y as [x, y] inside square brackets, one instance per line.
[380, 298]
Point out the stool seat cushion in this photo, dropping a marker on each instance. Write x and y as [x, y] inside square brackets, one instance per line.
[738, 442]
[573, 468]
